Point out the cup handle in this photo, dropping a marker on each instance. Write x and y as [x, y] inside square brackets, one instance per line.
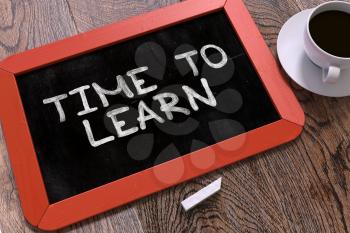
[331, 74]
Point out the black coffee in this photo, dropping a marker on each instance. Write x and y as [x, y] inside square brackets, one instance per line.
[331, 32]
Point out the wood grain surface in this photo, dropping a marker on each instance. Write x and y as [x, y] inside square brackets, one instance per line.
[299, 187]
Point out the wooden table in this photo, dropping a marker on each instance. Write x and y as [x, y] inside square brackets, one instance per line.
[299, 187]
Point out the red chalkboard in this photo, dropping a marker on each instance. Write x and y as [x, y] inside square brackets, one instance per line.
[100, 119]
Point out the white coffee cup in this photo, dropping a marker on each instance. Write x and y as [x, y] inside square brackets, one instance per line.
[331, 65]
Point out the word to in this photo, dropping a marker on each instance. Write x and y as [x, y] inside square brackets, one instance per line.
[168, 101]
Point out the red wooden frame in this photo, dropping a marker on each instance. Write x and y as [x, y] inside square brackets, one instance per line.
[35, 205]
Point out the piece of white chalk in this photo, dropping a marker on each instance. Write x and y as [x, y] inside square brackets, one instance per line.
[201, 195]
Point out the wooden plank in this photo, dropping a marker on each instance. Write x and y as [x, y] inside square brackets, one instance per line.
[90, 14]
[124, 219]
[299, 187]
[315, 192]
[29, 24]
[25, 25]
[324, 145]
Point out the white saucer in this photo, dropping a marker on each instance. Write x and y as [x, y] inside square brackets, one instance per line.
[290, 49]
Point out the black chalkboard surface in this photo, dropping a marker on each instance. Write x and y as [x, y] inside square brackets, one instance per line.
[70, 164]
